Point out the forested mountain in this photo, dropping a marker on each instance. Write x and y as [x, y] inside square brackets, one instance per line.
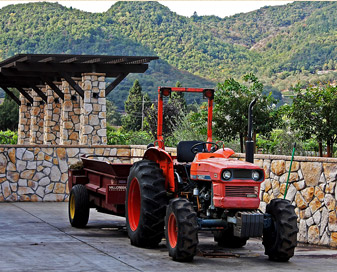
[280, 44]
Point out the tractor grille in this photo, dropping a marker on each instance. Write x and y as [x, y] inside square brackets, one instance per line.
[241, 191]
[242, 173]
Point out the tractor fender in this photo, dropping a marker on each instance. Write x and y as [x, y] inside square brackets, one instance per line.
[165, 162]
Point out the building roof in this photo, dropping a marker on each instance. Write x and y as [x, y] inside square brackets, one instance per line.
[34, 70]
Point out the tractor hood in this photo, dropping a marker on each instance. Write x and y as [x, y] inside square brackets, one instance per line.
[210, 166]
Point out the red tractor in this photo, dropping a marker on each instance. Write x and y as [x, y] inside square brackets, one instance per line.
[201, 188]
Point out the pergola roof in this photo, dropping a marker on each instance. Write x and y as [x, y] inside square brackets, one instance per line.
[33, 70]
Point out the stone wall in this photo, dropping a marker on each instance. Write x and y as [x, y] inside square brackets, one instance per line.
[312, 190]
[39, 173]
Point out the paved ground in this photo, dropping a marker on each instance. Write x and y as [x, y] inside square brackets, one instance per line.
[38, 237]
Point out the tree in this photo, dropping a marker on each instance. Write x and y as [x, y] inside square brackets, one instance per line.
[113, 117]
[133, 108]
[9, 113]
[173, 113]
[313, 114]
[178, 99]
[231, 109]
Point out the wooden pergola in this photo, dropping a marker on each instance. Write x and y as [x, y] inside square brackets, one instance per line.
[33, 71]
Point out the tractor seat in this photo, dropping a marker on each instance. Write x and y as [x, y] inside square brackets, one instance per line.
[184, 153]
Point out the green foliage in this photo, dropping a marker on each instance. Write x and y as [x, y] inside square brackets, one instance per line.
[8, 137]
[232, 100]
[122, 137]
[134, 108]
[281, 45]
[313, 113]
[192, 126]
[171, 118]
[113, 117]
[9, 113]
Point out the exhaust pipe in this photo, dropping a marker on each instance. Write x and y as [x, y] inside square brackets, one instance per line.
[250, 142]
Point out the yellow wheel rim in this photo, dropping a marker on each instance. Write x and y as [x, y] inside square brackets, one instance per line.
[72, 206]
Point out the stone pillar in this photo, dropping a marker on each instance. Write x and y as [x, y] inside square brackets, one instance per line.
[37, 118]
[70, 115]
[93, 111]
[24, 120]
[52, 117]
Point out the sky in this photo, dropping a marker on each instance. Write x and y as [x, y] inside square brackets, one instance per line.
[185, 8]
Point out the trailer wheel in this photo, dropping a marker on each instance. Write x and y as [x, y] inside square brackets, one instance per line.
[225, 238]
[145, 205]
[181, 230]
[78, 210]
[280, 239]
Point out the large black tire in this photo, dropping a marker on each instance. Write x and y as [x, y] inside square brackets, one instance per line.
[225, 238]
[181, 230]
[146, 202]
[280, 239]
[78, 207]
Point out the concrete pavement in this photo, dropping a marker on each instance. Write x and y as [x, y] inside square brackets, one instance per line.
[38, 237]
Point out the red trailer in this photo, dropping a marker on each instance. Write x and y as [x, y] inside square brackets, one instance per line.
[200, 188]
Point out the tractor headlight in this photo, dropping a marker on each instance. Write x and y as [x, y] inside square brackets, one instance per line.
[255, 175]
[226, 174]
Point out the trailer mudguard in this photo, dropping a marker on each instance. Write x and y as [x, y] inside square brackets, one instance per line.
[165, 162]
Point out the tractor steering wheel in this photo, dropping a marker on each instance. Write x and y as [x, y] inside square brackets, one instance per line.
[195, 150]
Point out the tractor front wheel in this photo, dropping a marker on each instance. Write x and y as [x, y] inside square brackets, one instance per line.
[78, 207]
[181, 230]
[280, 239]
[146, 202]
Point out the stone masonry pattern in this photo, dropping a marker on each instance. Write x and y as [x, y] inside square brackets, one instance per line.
[39, 173]
[93, 112]
[70, 121]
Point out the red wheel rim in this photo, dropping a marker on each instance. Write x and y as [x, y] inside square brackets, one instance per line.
[134, 204]
[172, 230]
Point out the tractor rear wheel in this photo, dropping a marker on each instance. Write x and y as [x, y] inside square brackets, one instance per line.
[146, 201]
[225, 238]
[181, 230]
[78, 207]
[280, 239]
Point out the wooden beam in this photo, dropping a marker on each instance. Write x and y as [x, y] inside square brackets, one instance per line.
[17, 100]
[92, 60]
[73, 84]
[82, 68]
[25, 94]
[70, 60]
[55, 88]
[40, 93]
[113, 84]
[48, 59]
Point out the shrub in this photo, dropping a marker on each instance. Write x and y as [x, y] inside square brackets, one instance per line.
[8, 137]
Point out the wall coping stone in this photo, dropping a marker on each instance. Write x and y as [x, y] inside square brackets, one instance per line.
[236, 155]
[93, 74]
[287, 158]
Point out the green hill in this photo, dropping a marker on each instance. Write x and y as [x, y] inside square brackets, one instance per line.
[281, 44]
